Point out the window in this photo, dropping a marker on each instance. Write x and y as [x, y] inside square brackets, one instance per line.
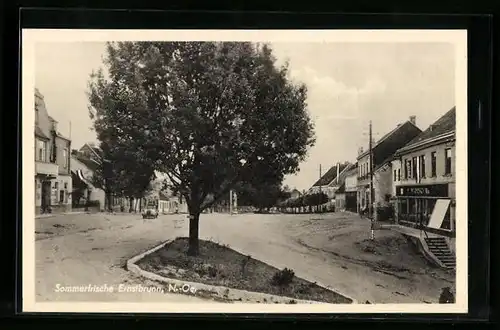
[403, 209]
[447, 163]
[61, 196]
[65, 185]
[41, 150]
[422, 166]
[56, 185]
[407, 169]
[399, 174]
[65, 156]
[414, 168]
[36, 114]
[433, 164]
[53, 158]
[394, 175]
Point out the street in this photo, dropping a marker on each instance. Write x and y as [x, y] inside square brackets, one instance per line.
[331, 249]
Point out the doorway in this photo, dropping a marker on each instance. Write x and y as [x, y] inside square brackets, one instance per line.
[45, 200]
[423, 209]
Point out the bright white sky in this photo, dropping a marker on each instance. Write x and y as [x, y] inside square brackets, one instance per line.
[348, 85]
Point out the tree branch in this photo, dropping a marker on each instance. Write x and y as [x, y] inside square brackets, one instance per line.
[221, 193]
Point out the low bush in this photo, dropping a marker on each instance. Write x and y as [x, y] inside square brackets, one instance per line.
[385, 213]
[94, 204]
[283, 277]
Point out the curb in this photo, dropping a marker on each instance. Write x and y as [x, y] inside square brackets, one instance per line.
[221, 291]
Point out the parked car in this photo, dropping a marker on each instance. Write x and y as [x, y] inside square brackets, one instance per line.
[150, 213]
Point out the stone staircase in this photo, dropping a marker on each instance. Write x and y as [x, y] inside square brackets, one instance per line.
[440, 249]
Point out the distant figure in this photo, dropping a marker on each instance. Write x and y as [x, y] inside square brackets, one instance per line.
[447, 296]
[363, 211]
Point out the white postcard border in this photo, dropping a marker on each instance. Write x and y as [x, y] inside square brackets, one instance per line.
[31, 36]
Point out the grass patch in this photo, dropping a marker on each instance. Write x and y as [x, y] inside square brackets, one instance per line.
[221, 266]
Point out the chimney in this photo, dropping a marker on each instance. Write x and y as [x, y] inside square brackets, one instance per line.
[360, 150]
[413, 120]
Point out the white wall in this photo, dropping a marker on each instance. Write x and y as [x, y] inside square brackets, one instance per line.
[96, 194]
[382, 185]
[396, 166]
[351, 182]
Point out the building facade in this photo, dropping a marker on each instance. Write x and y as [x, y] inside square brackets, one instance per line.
[425, 191]
[85, 192]
[340, 199]
[91, 157]
[351, 189]
[166, 201]
[379, 164]
[53, 182]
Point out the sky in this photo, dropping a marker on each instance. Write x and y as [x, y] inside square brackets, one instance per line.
[348, 85]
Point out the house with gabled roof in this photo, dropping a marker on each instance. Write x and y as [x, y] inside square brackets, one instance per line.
[424, 181]
[53, 184]
[381, 154]
[331, 181]
[86, 161]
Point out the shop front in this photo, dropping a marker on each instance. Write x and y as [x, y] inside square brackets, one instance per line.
[428, 206]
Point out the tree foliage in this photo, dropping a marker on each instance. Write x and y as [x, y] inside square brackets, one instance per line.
[262, 196]
[307, 200]
[208, 114]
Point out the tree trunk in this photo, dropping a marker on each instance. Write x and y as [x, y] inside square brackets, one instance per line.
[194, 244]
[109, 199]
[131, 206]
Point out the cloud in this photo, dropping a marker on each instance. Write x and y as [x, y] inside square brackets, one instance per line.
[330, 98]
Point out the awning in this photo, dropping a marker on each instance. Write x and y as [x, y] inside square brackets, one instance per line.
[438, 214]
[79, 174]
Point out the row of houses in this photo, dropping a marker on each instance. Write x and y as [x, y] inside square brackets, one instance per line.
[64, 177]
[413, 177]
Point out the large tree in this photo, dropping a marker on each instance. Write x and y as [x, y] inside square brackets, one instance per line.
[208, 114]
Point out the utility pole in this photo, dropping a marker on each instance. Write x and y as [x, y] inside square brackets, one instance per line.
[230, 202]
[319, 197]
[372, 197]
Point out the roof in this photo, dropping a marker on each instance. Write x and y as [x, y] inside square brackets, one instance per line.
[91, 165]
[341, 189]
[445, 124]
[390, 134]
[39, 133]
[62, 136]
[385, 161]
[330, 175]
[353, 170]
[96, 150]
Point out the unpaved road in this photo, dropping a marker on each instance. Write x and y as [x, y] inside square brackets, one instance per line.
[331, 249]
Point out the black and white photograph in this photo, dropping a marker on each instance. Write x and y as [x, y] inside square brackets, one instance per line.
[244, 171]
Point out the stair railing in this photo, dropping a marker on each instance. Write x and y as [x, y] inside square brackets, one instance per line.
[422, 227]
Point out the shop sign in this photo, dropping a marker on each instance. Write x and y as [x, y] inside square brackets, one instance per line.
[434, 190]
